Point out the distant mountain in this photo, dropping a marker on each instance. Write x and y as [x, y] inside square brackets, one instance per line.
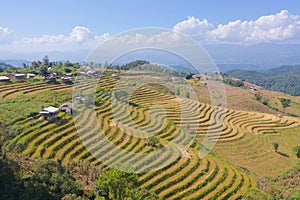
[15, 62]
[4, 65]
[284, 79]
[263, 55]
[227, 56]
[227, 67]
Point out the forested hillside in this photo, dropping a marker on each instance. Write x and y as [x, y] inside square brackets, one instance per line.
[284, 79]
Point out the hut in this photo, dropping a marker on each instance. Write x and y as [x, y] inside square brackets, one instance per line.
[20, 77]
[67, 108]
[4, 79]
[49, 113]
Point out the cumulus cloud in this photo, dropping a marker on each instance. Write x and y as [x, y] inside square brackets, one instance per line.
[103, 37]
[81, 34]
[194, 27]
[5, 35]
[79, 38]
[279, 27]
[47, 39]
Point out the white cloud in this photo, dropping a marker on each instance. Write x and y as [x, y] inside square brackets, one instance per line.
[280, 27]
[47, 39]
[103, 37]
[81, 34]
[194, 27]
[5, 35]
[79, 38]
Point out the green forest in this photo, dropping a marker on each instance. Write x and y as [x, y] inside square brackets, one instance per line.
[283, 79]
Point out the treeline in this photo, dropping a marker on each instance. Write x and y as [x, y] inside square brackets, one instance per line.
[283, 79]
[43, 67]
[233, 82]
[23, 178]
[4, 66]
[146, 66]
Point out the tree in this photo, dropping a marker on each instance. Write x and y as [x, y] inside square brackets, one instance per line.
[189, 75]
[119, 185]
[187, 94]
[25, 65]
[297, 151]
[67, 70]
[68, 64]
[285, 102]
[265, 102]
[116, 184]
[34, 65]
[43, 70]
[46, 61]
[258, 97]
[276, 146]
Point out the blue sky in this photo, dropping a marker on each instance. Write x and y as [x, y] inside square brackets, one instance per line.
[67, 25]
[35, 18]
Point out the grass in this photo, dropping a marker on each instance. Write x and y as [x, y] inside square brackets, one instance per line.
[252, 152]
[245, 140]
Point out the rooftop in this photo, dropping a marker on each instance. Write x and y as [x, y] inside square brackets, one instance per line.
[50, 109]
[4, 78]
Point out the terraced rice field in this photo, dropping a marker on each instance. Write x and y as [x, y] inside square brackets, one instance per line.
[126, 125]
[14, 89]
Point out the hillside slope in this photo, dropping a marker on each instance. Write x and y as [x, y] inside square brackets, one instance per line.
[283, 79]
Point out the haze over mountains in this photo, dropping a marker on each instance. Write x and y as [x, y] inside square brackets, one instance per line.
[227, 56]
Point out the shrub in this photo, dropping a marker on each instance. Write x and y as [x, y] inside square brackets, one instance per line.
[297, 151]
[276, 146]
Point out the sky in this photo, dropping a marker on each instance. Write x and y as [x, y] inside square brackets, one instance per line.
[65, 25]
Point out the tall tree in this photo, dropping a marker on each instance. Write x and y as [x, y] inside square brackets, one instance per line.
[46, 61]
[285, 102]
[119, 185]
[43, 70]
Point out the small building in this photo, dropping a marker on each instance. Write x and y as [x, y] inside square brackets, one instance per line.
[20, 77]
[280, 115]
[4, 79]
[197, 77]
[49, 113]
[67, 108]
[149, 143]
[252, 88]
[66, 78]
[29, 75]
[79, 99]
[115, 76]
[50, 78]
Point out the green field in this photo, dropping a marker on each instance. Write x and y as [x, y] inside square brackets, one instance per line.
[242, 158]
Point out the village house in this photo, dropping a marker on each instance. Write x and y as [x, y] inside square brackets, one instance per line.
[115, 76]
[29, 75]
[67, 108]
[50, 78]
[19, 77]
[252, 88]
[4, 79]
[49, 113]
[197, 77]
[66, 78]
